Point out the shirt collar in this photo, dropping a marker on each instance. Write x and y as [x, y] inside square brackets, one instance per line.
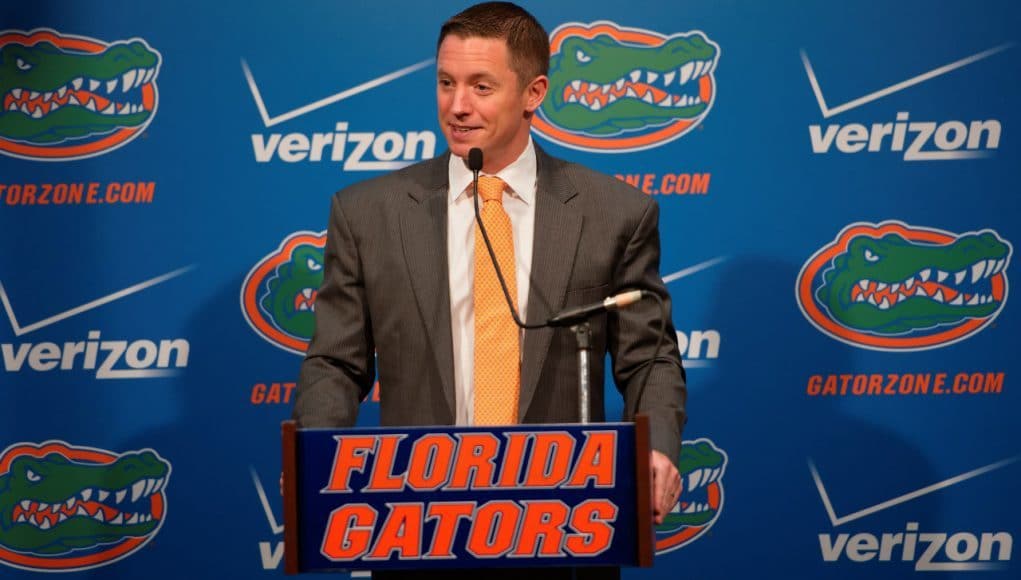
[519, 176]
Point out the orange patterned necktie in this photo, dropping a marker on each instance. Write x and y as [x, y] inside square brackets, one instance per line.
[497, 339]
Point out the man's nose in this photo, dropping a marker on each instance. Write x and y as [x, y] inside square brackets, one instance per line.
[462, 103]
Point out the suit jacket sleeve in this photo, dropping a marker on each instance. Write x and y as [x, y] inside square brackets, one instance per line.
[632, 335]
[339, 366]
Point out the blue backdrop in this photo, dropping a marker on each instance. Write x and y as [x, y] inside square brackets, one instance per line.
[838, 194]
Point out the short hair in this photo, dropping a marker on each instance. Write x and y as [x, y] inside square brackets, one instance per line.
[527, 41]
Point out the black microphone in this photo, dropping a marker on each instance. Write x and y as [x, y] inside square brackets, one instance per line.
[475, 163]
[580, 313]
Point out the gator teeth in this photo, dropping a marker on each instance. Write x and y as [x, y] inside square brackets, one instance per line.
[47, 95]
[999, 266]
[91, 105]
[61, 92]
[149, 75]
[32, 95]
[128, 80]
[665, 102]
[920, 292]
[110, 109]
[81, 511]
[159, 485]
[648, 97]
[938, 296]
[885, 304]
[693, 478]
[863, 284]
[73, 101]
[103, 494]
[93, 85]
[21, 519]
[925, 274]
[111, 86]
[37, 113]
[54, 106]
[606, 88]
[25, 504]
[872, 300]
[977, 269]
[882, 286]
[941, 275]
[24, 109]
[61, 518]
[957, 301]
[583, 101]
[894, 288]
[100, 516]
[133, 520]
[140, 77]
[909, 283]
[118, 520]
[860, 298]
[990, 264]
[13, 107]
[686, 71]
[974, 300]
[669, 78]
[45, 525]
[631, 93]
[136, 489]
[959, 276]
[16, 93]
[87, 494]
[612, 99]
[576, 85]
[119, 496]
[572, 99]
[650, 77]
[149, 484]
[635, 75]
[69, 502]
[596, 106]
[77, 83]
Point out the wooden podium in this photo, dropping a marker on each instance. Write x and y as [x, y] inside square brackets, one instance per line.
[467, 497]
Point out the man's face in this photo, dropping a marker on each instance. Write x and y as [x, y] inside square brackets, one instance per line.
[481, 102]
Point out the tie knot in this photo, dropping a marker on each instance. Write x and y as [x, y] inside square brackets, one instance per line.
[491, 188]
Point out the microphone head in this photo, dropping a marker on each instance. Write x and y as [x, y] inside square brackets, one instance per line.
[475, 159]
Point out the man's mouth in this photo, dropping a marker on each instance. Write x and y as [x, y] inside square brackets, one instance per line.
[461, 129]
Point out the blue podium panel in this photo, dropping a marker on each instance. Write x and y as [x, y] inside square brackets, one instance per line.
[424, 498]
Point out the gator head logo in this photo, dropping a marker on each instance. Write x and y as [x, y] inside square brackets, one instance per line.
[70, 97]
[278, 297]
[615, 89]
[65, 508]
[702, 465]
[895, 287]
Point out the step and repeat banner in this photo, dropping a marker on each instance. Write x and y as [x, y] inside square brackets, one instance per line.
[838, 185]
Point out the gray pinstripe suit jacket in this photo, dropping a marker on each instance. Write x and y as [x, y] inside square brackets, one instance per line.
[385, 290]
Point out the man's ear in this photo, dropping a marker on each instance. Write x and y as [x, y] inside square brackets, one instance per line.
[535, 93]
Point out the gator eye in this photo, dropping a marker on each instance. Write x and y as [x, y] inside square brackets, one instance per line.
[582, 57]
[312, 265]
[870, 257]
[32, 476]
[22, 65]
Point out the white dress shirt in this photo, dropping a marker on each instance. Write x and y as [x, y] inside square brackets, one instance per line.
[519, 203]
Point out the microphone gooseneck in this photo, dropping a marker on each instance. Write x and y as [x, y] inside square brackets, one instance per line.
[475, 165]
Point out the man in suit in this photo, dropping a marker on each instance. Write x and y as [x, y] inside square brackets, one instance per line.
[400, 286]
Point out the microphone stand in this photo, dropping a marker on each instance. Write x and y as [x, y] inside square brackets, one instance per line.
[583, 336]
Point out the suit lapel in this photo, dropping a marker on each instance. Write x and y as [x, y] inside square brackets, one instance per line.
[424, 238]
[557, 231]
